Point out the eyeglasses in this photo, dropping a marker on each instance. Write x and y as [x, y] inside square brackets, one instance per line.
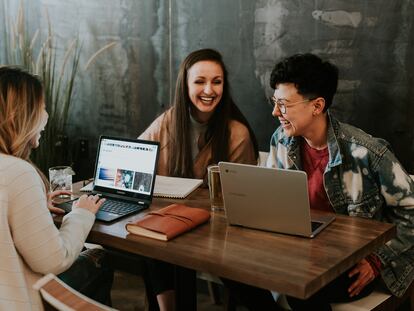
[282, 106]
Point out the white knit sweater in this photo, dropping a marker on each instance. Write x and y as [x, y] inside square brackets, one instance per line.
[30, 244]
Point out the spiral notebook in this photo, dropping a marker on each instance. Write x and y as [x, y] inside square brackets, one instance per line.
[167, 187]
[175, 187]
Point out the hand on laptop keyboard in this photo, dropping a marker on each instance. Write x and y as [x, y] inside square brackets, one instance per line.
[92, 202]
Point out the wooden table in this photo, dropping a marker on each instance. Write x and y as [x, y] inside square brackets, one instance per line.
[291, 265]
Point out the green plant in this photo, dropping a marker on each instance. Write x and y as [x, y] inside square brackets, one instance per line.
[58, 81]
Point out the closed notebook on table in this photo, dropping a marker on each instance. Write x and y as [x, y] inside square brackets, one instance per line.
[167, 187]
[168, 222]
[175, 187]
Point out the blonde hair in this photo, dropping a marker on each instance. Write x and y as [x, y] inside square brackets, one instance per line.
[21, 107]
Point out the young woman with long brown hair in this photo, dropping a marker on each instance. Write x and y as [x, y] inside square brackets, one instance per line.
[30, 243]
[203, 127]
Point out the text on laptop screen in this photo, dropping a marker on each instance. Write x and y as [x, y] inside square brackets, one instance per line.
[126, 165]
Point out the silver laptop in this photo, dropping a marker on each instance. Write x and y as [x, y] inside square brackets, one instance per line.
[124, 175]
[269, 199]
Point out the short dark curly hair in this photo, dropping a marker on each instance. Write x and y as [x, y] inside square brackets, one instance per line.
[312, 76]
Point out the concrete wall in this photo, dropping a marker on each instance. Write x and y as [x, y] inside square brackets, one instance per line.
[371, 41]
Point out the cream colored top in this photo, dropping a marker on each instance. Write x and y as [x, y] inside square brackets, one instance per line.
[197, 130]
[241, 148]
[30, 243]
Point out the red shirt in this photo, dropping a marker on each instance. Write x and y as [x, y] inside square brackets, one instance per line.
[314, 163]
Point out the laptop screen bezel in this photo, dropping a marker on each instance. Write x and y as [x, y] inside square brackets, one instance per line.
[125, 193]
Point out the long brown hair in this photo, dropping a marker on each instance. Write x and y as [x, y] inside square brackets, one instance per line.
[217, 134]
[21, 107]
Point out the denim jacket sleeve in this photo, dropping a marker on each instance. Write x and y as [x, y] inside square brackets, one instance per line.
[390, 188]
[397, 255]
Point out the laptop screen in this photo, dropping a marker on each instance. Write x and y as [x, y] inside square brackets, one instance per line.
[126, 167]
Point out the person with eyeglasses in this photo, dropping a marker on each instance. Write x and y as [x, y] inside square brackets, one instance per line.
[349, 172]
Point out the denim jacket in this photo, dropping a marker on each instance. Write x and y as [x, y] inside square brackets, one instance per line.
[363, 178]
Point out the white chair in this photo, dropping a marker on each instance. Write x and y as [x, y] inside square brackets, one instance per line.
[263, 155]
[372, 302]
[378, 300]
[56, 295]
[213, 283]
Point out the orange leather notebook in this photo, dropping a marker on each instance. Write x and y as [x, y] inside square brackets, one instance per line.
[168, 222]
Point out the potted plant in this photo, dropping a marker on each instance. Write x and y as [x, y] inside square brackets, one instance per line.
[58, 78]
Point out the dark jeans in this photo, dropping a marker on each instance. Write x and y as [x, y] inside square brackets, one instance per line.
[255, 298]
[160, 276]
[92, 275]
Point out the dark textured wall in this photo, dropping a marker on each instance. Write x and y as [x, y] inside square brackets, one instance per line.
[370, 41]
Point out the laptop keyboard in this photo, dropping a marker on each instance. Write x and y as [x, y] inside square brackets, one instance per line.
[111, 206]
[119, 207]
[316, 225]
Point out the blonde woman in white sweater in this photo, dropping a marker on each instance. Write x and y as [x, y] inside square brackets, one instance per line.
[30, 244]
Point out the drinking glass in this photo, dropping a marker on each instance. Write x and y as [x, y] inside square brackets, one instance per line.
[60, 178]
[214, 185]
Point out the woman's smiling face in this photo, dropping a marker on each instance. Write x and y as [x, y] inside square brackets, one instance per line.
[205, 88]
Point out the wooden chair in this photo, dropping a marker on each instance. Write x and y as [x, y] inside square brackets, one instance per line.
[56, 295]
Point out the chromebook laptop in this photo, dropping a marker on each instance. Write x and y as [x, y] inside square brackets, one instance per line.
[269, 199]
[125, 171]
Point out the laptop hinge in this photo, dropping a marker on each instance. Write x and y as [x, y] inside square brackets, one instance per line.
[139, 201]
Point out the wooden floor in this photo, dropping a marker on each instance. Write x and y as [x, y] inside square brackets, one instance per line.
[128, 293]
